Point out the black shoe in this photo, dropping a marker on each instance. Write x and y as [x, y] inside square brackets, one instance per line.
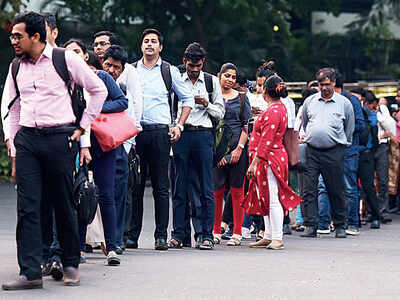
[131, 244]
[375, 224]
[386, 220]
[119, 250]
[161, 244]
[369, 219]
[286, 229]
[88, 248]
[310, 232]
[56, 271]
[340, 232]
[227, 235]
[394, 210]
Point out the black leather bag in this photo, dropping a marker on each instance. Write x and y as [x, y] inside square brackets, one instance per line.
[134, 169]
[86, 196]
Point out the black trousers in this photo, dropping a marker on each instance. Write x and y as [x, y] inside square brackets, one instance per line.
[366, 174]
[153, 147]
[45, 164]
[330, 164]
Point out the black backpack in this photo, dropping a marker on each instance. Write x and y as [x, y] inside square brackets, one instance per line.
[86, 196]
[59, 63]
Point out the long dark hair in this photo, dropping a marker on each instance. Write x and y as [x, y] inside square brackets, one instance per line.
[275, 87]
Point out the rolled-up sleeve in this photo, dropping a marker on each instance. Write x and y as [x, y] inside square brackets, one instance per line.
[216, 107]
[184, 94]
[85, 77]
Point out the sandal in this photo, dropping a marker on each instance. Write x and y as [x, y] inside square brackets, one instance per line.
[207, 245]
[217, 239]
[235, 240]
[174, 244]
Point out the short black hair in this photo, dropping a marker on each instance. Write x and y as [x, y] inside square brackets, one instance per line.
[326, 73]
[241, 79]
[370, 97]
[307, 92]
[116, 52]
[112, 36]
[34, 23]
[50, 20]
[156, 32]
[78, 42]
[194, 52]
[339, 79]
[359, 91]
[94, 60]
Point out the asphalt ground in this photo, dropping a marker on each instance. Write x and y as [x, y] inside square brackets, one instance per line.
[363, 267]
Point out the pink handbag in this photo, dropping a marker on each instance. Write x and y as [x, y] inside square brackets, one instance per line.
[112, 129]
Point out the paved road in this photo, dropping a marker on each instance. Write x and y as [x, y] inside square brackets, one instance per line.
[364, 267]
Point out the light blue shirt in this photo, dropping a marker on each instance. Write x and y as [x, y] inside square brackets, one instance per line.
[155, 95]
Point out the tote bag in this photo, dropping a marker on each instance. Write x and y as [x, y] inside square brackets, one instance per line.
[112, 129]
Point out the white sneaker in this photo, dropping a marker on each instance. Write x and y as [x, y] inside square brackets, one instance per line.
[246, 233]
[323, 231]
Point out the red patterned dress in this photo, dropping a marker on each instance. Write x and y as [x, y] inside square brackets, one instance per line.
[267, 143]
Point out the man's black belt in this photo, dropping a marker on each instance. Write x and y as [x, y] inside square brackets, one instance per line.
[196, 128]
[67, 128]
[154, 126]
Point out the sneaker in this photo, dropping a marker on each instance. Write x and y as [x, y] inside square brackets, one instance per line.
[227, 235]
[246, 233]
[113, 259]
[56, 271]
[119, 250]
[353, 230]
[323, 231]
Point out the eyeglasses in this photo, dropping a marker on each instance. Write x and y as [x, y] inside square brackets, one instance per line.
[17, 37]
[102, 44]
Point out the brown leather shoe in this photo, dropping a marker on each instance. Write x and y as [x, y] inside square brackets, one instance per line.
[22, 283]
[260, 244]
[71, 276]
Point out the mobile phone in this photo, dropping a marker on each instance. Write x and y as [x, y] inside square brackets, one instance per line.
[228, 158]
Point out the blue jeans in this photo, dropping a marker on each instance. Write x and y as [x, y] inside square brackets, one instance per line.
[121, 191]
[324, 206]
[299, 218]
[351, 189]
[194, 150]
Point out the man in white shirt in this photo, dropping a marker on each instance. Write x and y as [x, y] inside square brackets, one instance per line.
[193, 153]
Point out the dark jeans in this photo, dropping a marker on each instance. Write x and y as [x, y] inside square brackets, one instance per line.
[351, 190]
[366, 174]
[193, 158]
[104, 177]
[153, 147]
[328, 163]
[121, 191]
[381, 158]
[45, 160]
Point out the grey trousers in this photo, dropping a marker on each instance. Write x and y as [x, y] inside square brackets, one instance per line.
[381, 158]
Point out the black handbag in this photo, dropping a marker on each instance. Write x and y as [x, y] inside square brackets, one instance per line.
[86, 196]
[134, 169]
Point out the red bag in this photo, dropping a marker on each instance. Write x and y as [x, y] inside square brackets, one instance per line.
[112, 129]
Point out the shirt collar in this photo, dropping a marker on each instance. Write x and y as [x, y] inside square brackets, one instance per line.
[158, 63]
[186, 77]
[47, 52]
[332, 99]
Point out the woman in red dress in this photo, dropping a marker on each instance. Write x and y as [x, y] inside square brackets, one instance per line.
[269, 193]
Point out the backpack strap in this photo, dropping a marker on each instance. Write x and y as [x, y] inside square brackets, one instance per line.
[60, 65]
[209, 85]
[15, 64]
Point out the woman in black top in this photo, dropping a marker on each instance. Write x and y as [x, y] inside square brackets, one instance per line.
[231, 169]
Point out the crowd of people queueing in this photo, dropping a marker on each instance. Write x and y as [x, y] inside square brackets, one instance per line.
[342, 139]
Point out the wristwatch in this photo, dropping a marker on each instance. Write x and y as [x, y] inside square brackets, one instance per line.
[241, 146]
[181, 128]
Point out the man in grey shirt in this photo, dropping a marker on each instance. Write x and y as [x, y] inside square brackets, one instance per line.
[328, 121]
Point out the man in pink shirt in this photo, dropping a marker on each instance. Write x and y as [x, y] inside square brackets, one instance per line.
[44, 143]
